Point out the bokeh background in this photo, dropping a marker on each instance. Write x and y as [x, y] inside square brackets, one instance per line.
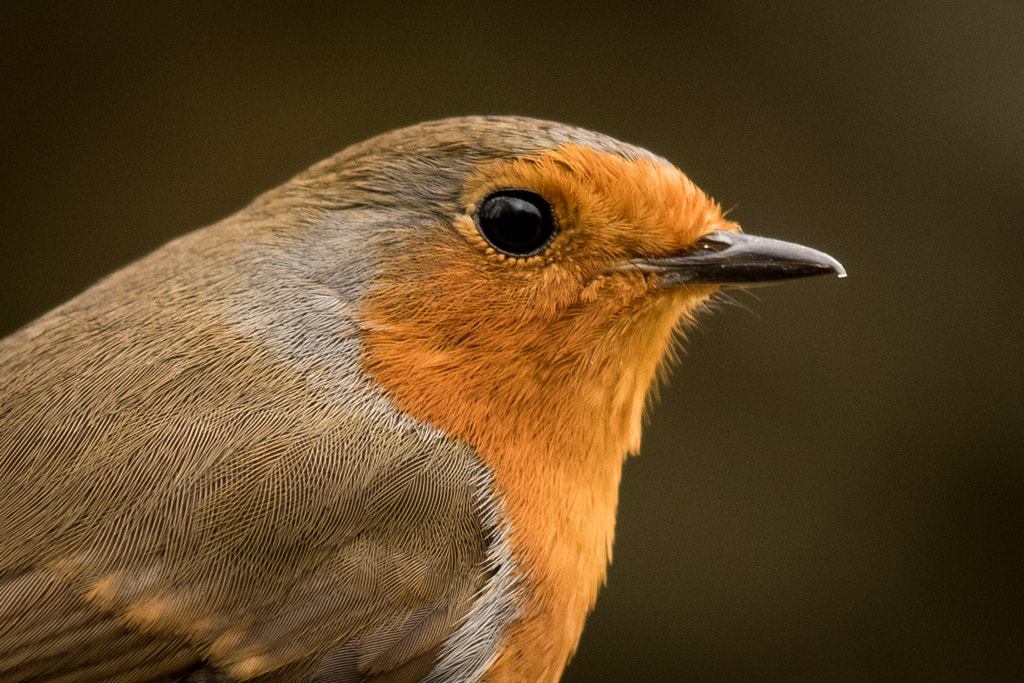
[832, 486]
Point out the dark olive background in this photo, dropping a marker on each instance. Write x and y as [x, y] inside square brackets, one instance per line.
[832, 486]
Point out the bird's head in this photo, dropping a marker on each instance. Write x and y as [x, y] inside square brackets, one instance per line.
[523, 278]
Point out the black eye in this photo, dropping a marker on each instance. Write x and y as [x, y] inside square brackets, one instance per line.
[516, 222]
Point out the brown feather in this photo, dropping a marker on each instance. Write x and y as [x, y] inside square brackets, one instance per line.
[173, 491]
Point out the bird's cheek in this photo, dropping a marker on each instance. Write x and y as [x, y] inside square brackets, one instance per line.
[618, 288]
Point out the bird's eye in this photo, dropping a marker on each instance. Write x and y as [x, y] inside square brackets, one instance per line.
[516, 222]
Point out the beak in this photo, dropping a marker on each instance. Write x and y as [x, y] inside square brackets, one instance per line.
[735, 259]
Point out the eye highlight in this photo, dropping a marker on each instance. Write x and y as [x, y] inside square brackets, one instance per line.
[516, 222]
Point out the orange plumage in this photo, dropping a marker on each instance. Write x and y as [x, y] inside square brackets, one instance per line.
[575, 342]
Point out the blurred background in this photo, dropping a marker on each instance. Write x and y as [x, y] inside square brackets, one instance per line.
[832, 486]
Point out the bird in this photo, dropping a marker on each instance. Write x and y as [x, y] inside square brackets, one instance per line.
[369, 428]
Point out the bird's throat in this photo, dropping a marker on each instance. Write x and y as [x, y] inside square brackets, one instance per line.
[554, 426]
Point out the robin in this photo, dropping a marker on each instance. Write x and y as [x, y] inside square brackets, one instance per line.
[370, 428]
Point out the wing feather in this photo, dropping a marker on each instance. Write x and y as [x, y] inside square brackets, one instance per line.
[178, 498]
